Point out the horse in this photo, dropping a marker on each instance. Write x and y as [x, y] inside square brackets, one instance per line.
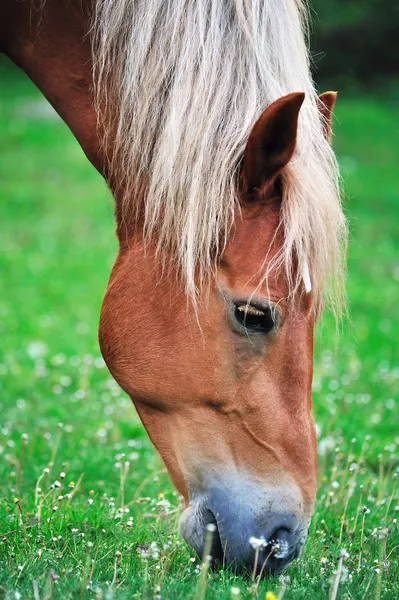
[204, 121]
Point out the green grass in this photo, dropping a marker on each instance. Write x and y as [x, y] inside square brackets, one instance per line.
[56, 248]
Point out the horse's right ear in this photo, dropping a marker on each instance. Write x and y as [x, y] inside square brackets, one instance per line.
[271, 143]
[325, 104]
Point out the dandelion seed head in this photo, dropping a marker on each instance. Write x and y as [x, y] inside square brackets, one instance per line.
[257, 543]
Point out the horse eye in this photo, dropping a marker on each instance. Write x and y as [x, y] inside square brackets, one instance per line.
[257, 320]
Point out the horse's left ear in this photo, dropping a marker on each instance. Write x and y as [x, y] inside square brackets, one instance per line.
[325, 105]
[271, 143]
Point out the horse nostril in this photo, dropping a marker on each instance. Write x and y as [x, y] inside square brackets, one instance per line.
[280, 543]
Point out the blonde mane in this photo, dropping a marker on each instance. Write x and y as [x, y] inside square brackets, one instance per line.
[182, 82]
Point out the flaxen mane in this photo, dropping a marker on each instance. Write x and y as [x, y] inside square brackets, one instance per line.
[183, 81]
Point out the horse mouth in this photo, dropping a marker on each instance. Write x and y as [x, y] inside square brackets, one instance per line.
[217, 553]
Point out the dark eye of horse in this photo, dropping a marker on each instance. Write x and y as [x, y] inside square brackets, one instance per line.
[257, 320]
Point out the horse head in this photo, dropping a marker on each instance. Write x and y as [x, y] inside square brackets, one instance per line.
[223, 385]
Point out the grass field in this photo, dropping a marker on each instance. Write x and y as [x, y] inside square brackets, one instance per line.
[86, 509]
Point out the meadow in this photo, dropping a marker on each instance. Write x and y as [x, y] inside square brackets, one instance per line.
[86, 508]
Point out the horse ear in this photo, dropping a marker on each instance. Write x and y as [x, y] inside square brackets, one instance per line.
[271, 143]
[325, 105]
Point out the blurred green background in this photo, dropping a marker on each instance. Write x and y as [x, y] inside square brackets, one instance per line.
[355, 44]
[57, 245]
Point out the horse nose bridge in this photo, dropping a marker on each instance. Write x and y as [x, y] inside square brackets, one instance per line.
[241, 496]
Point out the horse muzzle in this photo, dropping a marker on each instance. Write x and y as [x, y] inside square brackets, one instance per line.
[253, 526]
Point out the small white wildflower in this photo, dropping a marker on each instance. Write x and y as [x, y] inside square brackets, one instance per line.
[381, 533]
[257, 543]
[55, 508]
[90, 501]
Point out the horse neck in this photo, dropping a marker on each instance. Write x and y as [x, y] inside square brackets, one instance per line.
[51, 46]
